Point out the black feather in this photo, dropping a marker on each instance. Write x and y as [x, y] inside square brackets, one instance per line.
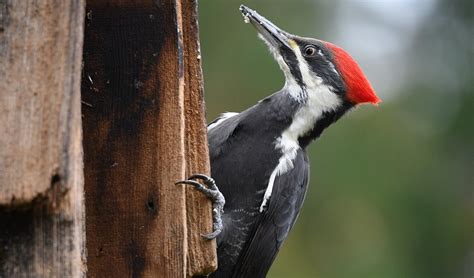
[243, 156]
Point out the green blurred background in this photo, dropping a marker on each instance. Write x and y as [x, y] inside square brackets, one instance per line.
[392, 187]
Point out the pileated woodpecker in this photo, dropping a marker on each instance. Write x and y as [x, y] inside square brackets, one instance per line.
[258, 156]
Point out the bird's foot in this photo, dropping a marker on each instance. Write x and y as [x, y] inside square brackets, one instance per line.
[212, 192]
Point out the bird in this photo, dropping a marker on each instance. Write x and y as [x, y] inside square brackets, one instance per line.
[259, 162]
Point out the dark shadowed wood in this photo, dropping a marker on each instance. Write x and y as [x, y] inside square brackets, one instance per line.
[41, 180]
[134, 140]
[201, 252]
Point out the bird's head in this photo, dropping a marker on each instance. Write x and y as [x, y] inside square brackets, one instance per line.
[313, 66]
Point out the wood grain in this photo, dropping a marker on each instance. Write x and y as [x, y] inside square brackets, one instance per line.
[134, 139]
[202, 257]
[41, 180]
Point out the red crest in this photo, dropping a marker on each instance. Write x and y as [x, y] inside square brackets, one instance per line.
[358, 87]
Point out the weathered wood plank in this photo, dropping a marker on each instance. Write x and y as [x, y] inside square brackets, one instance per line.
[202, 257]
[41, 180]
[134, 140]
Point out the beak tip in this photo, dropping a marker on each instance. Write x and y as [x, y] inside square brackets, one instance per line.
[245, 12]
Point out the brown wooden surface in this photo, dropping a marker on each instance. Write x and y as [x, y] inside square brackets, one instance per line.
[201, 253]
[41, 181]
[134, 141]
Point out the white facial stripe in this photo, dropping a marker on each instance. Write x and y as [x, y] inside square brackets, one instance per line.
[333, 68]
[331, 65]
[318, 94]
[315, 97]
[309, 79]
[320, 100]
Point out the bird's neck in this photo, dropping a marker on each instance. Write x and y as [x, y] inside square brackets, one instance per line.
[317, 109]
[325, 120]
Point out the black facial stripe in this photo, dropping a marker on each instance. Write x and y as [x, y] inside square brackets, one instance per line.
[320, 64]
[323, 69]
[292, 62]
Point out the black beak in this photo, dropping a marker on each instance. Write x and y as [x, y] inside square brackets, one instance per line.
[270, 32]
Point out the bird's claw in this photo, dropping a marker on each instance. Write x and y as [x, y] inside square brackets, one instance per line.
[209, 188]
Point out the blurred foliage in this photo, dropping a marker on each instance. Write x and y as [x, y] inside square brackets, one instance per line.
[392, 188]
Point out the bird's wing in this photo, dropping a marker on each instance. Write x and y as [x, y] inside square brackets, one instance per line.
[220, 119]
[275, 223]
[220, 130]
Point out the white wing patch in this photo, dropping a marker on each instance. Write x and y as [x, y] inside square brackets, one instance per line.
[222, 117]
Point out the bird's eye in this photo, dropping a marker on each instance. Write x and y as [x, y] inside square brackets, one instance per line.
[310, 51]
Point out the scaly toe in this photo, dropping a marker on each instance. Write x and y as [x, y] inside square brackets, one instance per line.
[212, 235]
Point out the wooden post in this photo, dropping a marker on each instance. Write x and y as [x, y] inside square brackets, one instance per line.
[201, 256]
[41, 178]
[144, 129]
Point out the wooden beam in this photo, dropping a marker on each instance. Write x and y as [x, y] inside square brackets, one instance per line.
[41, 178]
[134, 95]
[202, 257]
